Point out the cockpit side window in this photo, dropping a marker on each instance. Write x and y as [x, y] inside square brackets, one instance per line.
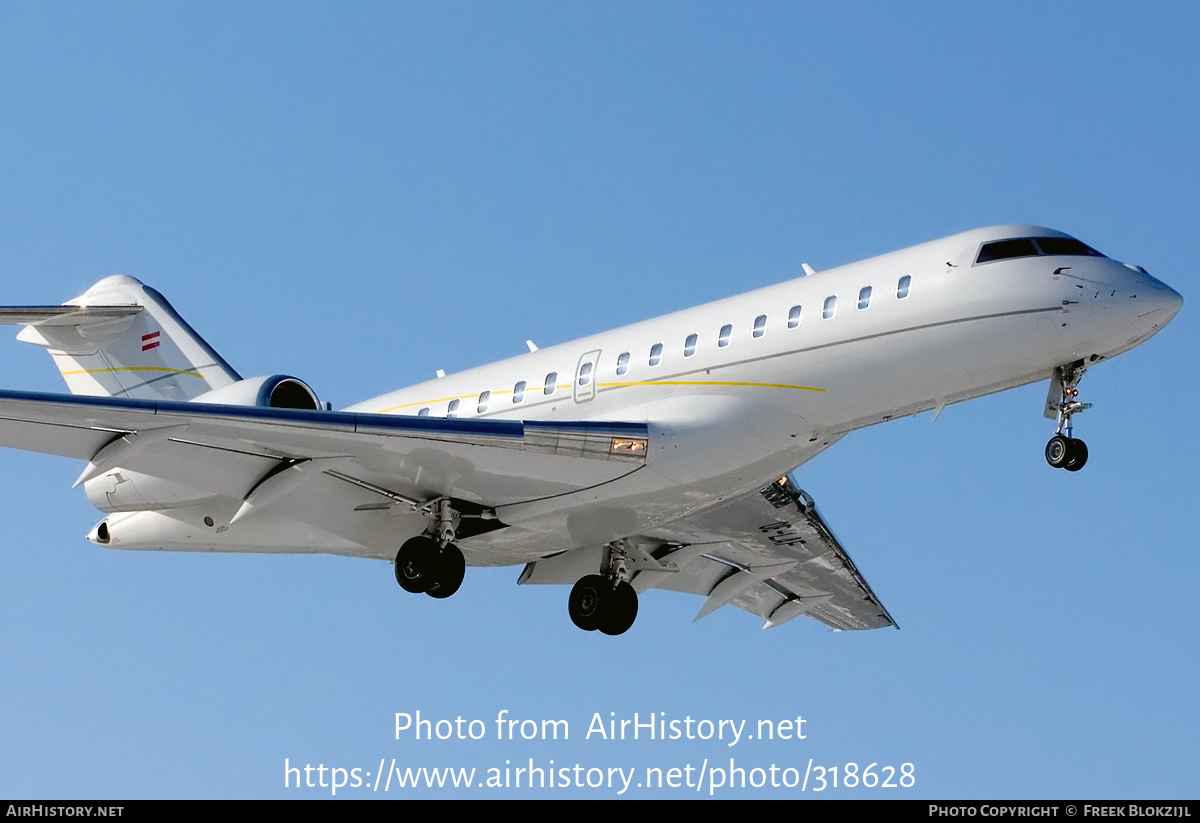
[1066, 245]
[1006, 250]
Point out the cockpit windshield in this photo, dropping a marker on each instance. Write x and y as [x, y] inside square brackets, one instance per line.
[1033, 247]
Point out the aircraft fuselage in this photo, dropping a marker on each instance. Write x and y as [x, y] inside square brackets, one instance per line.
[745, 389]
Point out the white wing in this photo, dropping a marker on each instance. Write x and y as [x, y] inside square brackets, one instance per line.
[335, 470]
[769, 552]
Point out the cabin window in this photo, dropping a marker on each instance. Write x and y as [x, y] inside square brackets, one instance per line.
[484, 398]
[519, 392]
[656, 354]
[864, 297]
[423, 412]
[551, 383]
[794, 317]
[760, 326]
[723, 337]
[452, 410]
[830, 307]
[903, 286]
[689, 345]
[623, 363]
[585, 374]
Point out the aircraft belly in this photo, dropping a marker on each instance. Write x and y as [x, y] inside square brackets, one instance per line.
[634, 505]
[925, 368]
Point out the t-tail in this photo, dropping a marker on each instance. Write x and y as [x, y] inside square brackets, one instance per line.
[121, 338]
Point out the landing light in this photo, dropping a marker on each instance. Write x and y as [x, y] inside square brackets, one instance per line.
[629, 445]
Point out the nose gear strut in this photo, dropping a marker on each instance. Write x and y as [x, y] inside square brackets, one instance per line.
[1063, 451]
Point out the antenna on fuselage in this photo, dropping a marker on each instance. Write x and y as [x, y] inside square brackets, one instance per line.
[808, 270]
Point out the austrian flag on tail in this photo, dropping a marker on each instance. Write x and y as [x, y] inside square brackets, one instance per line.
[150, 341]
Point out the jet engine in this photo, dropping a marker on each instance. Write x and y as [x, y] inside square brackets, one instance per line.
[277, 391]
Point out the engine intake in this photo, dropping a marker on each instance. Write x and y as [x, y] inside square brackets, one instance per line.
[277, 391]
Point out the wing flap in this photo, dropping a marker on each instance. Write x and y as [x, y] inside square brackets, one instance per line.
[771, 553]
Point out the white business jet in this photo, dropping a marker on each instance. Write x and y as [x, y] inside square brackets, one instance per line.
[658, 455]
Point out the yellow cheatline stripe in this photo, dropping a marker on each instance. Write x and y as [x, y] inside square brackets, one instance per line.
[710, 383]
[528, 390]
[422, 403]
[532, 389]
[135, 368]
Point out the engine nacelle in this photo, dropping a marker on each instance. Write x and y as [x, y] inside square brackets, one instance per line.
[122, 490]
[276, 391]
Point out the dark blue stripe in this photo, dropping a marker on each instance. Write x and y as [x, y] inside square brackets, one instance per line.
[365, 423]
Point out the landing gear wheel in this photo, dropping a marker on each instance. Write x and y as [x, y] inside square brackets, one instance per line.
[1064, 451]
[451, 568]
[1058, 451]
[587, 603]
[417, 564]
[620, 610]
[1077, 455]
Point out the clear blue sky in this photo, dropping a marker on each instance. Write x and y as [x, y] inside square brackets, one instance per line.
[360, 194]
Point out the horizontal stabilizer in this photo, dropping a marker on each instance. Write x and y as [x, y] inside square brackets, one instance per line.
[64, 315]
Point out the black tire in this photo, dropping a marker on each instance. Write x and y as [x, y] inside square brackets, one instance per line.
[1058, 451]
[451, 570]
[417, 564]
[620, 610]
[1078, 455]
[588, 602]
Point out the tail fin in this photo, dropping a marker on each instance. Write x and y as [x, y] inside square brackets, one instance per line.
[121, 338]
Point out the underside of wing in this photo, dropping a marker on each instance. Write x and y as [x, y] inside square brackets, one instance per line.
[347, 474]
[767, 551]
[771, 553]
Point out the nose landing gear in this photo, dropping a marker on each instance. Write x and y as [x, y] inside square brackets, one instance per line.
[1063, 451]
[1066, 453]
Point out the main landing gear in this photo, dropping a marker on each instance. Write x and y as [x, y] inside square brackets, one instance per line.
[435, 567]
[599, 603]
[605, 602]
[1063, 451]
[424, 566]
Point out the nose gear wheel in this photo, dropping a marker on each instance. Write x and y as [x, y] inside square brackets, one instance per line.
[1064, 451]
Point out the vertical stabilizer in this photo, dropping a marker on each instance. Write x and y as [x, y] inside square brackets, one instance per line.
[121, 338]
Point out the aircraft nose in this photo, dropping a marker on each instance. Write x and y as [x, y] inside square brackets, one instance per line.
[1158, 299]
[1149, 303]
[1172, 300]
